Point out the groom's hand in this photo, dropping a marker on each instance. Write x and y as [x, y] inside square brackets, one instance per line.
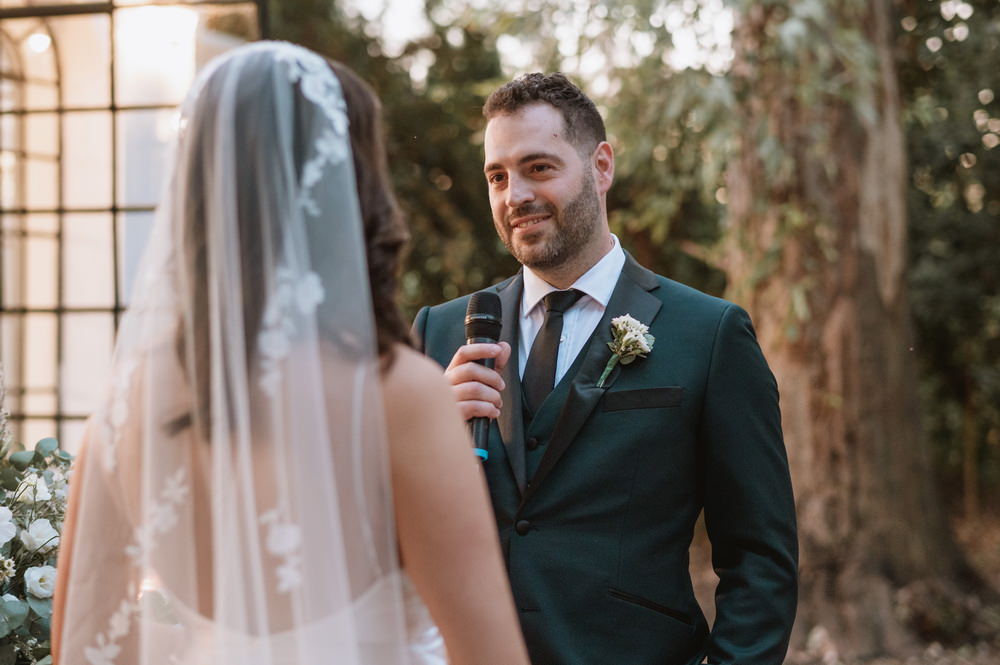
[477, 388]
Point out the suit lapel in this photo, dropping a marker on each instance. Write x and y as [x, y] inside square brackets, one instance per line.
[631, 296]
[511, 420]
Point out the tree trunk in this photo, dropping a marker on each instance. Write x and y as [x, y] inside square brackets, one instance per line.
[816, 252]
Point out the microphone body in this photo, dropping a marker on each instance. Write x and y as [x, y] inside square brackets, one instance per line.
[482, 326]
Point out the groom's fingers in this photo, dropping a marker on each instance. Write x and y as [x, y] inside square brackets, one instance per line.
[472, 352]
[477, 388]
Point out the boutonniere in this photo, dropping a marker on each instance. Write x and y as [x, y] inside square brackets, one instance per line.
[630, 340]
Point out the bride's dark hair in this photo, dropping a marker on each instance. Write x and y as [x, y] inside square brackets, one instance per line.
[385, 231]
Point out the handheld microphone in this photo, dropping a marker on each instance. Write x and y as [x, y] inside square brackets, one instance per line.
[482, 326]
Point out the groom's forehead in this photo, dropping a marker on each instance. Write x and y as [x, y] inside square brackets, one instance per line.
[539, 127]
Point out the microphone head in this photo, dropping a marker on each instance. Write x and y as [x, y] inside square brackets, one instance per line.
[482, 317]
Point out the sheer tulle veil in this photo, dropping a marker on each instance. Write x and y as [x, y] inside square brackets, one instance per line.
[234, 505]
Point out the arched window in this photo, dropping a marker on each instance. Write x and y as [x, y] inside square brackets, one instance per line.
[88, 107]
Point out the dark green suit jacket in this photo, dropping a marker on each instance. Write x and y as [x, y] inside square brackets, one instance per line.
[597, 496]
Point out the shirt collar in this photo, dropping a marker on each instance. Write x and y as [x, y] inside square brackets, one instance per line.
[598, 282]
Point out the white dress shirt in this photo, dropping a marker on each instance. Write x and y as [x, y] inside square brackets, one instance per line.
[579, 320]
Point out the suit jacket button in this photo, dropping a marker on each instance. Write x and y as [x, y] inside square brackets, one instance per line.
[522, 527]
[532, 443]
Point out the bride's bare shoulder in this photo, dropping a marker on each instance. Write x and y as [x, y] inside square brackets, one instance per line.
[415, 375]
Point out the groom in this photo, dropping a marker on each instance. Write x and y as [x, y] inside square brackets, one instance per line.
[597, 485]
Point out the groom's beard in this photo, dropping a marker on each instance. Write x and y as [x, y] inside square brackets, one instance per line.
[574, 227]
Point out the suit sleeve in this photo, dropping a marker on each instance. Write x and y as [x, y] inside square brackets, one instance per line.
[419, 330]
[749, 508]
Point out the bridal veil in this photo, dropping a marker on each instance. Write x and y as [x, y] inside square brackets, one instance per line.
[234, 504]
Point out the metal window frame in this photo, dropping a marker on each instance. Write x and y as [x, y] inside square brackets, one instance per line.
[43, 13]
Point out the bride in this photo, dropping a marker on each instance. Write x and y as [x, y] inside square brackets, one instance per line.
[274, 471]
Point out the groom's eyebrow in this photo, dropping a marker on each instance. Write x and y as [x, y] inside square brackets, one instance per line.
[531, 157]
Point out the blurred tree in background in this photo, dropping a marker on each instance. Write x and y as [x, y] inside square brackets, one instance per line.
[837, 171]
[949, 69]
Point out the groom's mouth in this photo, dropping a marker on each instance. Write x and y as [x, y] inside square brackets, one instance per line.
[528, 222]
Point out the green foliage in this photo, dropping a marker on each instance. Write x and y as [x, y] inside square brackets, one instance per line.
[674, 133]
[947, 68]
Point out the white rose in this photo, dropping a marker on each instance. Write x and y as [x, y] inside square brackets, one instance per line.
[32, 489]
[7, 528]
[40, 536]
[40, 581]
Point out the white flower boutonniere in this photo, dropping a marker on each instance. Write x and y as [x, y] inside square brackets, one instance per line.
[630, 340]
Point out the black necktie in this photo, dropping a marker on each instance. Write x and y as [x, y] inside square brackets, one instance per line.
[540, 371]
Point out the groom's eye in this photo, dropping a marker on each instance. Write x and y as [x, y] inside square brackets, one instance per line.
[494, 178]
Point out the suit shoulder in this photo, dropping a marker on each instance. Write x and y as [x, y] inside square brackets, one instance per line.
[672, 292]
[457, 306]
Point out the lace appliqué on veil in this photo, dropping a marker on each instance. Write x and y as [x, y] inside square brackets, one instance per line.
[162, 516]
[283, 541]
[292, 294]
[319, 85]
[106, 649]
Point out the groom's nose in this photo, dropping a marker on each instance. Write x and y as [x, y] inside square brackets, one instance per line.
[519, 192]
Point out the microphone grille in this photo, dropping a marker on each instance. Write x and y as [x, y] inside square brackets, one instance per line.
[482, 316]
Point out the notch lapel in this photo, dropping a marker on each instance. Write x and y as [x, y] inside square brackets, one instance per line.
[631, 296]
[511, 420]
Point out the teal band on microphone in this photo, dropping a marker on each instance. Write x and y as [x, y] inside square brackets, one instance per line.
[485, 454]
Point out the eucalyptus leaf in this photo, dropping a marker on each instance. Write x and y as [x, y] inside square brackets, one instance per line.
[5, 627]
[14, 611]
[45, 661]
[46, 446]
[9, 479]
[22, 459]
[40, 606]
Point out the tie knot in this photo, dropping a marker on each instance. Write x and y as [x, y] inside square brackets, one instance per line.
[560, 301]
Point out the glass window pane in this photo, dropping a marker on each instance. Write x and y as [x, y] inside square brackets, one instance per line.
[34, 430]
[10, 91]
[86, 345]
[41, 132]
[134, 229]
[10, 195]
[37, 60]
[40, 271]
[87, 159]
[38, 347]
[39, 401]
[12, 356]
[41, 184]
[10, 131]
[40, 96]
[154, 54]
[144, 142]
[88, 263]
[71, 435]
[85, 57]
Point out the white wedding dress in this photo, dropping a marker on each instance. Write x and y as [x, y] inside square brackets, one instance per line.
[364, 624]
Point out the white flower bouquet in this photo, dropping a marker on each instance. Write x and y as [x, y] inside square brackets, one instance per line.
[32, 509]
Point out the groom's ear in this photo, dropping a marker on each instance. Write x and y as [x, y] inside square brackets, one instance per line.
[602, 161]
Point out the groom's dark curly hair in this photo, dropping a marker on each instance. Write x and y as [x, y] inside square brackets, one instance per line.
[583, 122]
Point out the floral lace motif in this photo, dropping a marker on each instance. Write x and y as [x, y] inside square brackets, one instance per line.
[116, 416]
[283, 541]
[106, 649]
[292, 293]
[319, 85]
[162, 516]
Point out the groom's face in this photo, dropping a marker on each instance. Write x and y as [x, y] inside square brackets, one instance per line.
[545, 206]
